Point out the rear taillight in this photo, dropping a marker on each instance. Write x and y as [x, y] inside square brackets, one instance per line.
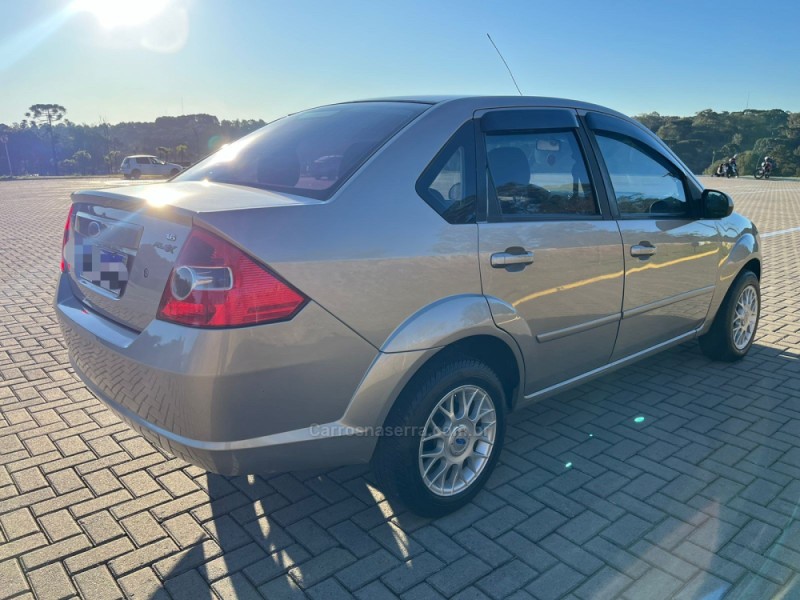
[214, 284]
[65, 239]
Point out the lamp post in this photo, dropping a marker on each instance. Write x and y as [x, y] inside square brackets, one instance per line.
[4, 139]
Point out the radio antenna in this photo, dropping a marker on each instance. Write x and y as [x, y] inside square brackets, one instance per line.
[505, 63]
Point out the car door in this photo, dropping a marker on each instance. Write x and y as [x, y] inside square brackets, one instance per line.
[550, 254]
[671, 254]
[144, 165]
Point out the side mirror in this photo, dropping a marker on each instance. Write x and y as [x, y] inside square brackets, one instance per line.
[716, 204]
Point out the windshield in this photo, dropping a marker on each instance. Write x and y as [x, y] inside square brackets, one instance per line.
[309, 153]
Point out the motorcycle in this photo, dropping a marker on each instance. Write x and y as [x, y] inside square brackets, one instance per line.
[764, 171]
[726, 170]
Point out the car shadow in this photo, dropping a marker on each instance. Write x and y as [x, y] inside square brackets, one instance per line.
[282, 535]
[675, 476]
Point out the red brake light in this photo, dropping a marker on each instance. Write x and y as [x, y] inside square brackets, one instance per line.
[65, 239]
[214, 284]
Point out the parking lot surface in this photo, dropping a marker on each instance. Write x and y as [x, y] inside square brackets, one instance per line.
[676, 477]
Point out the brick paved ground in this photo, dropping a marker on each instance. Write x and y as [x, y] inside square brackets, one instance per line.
[697, 501]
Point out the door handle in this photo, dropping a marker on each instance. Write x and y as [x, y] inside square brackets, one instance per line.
[506, 259]
[643, 250]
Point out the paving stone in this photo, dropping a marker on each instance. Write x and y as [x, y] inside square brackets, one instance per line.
[412, 572]
[541, 524]
[188, 586]
[583, 527]
[231, 562]
[477, 543]
[21, 546]
[370, 568]
[606, 584]
[500, 521]
[55, 551]
[375, 591]
[99, 554]
[12, 578]
[18, 523]
[276, 564]
[190, 558]
[504, 581]
[709, 561]
[318, 568]
[354, 539]
[101, 527]
[97, 584]
[571, 554]
[142, 557]
[143, 585]
[626, 530]
[281, 587]
[438, 543]
[459, 574]
[143, 528]
[312, 536]
[234, 587]
[185, 530]
[757, 536]
[555, 583]
[422, 591]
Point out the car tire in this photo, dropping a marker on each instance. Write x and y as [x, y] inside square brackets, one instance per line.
[173, 172]
[136, 173]
[466, 442]
[735, 326]
[126, 176]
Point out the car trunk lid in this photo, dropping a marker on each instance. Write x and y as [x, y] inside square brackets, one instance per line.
[124, 242]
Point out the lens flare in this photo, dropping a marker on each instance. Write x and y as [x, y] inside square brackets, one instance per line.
[113, 14]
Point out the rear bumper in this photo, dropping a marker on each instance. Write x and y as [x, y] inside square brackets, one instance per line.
[234, 401]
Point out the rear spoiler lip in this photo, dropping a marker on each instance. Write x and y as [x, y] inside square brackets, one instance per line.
[130, 203]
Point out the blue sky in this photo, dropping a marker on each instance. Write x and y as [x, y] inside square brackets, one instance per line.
[262, 58]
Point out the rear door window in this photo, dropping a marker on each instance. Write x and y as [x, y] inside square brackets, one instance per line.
[309, 153]
[540, 175]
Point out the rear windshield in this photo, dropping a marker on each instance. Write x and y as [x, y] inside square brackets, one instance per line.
[309, 153]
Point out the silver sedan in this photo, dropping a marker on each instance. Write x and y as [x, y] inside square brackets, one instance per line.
[459, 259]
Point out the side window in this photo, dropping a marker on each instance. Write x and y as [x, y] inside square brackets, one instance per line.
[644, 184]
[448, 184]
[143, 161]
[539, 174]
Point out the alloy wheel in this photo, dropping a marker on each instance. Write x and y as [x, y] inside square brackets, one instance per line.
[457, 440]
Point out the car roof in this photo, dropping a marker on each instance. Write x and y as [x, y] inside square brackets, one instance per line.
[141, 156]
[483, 102]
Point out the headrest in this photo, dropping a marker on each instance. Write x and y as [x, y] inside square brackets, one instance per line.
[279, 169]
[509, 165]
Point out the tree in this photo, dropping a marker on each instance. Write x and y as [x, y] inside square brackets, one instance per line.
[69, 165]
[82, 158]
[163, 151]
[181, 149]
[111, 160]
[47, 114]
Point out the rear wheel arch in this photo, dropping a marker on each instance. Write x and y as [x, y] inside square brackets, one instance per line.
[482, 364]
[494, 352]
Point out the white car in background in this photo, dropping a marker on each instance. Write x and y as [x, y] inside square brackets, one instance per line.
[133, 167]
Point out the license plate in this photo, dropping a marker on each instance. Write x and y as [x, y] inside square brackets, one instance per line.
[105, 269]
